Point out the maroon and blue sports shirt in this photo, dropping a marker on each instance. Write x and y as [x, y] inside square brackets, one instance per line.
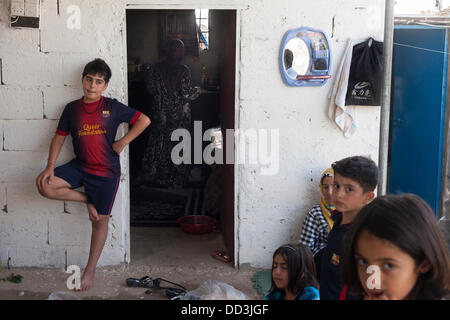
[93, 128]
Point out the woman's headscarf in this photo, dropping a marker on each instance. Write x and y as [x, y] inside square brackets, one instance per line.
[172, 69]
[324, 205]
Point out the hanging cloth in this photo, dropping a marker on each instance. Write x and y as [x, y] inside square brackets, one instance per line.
[342, 115]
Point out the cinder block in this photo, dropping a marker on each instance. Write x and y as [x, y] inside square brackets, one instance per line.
[56, 98]
[3, 202]
[24, 229]
[76, 208]
[16, 40]
[33, 69]
[66, 151]
[24, 198]
[20, 103]
[41, 256]
[78, 255]
[28, 135]
[70, 230]
[111, 256]
[1, 132]
[23, 166]
[74, 26]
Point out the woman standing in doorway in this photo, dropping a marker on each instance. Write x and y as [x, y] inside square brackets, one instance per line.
[171, 87]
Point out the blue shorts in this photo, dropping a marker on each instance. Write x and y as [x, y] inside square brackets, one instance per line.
[100, 191]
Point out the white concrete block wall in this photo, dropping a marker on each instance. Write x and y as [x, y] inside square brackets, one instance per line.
[272, 208]
[55, 98]
[36, 137]
[23, 198]
[41, 72]
[3, 206]
[30, 101]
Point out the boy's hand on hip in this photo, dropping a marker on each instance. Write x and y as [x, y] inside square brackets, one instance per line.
[118, 146]
[46, 176]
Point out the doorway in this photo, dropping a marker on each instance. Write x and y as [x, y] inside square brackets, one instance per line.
[209, 38]
[418, 111]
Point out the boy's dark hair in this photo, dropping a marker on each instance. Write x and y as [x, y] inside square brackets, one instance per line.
[408, 222]
[361, 169]
[300, 262]
[98, 66]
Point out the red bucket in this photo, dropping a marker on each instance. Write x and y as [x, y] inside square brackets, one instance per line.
[197, 224]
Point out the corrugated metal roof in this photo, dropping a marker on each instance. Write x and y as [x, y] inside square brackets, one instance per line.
[441, 18]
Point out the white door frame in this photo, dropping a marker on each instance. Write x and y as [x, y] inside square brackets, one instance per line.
[213, 5]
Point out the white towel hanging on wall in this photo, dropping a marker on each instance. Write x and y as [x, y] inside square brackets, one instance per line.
[342, 115]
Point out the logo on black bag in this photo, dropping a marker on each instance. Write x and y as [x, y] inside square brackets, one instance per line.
[362, 91]
[362, 85]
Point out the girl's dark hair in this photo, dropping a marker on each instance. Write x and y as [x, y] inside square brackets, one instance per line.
[300, 262]
[408, 222]
[98, 66]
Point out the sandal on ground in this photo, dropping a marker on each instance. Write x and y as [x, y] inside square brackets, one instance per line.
[222, 256]
[144, 282]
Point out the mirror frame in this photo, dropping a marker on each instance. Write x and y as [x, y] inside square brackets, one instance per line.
[324, 74]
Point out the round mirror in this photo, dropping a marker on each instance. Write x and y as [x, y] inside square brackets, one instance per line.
[296, 57]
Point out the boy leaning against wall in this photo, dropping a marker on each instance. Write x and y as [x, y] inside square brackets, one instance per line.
[92, 121]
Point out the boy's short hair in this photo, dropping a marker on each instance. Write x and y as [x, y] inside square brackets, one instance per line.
[98, 66]
[361, 169]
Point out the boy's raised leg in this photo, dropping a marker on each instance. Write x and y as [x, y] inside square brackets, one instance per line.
[98, 239]
[59, 189]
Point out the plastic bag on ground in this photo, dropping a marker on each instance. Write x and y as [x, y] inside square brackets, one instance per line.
[214, 290]
[62, 295]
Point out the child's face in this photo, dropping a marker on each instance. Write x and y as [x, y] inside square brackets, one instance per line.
[348, 196]
[327, 189]
[398, 271]
[93, 87]
[280, 274]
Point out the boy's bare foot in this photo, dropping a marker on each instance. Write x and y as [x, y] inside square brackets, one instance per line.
[93, 214]
[87, 280]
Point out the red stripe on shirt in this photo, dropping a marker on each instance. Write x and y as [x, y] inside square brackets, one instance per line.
[114, 197]
[136, 116]
[343, 293]
[62, 133]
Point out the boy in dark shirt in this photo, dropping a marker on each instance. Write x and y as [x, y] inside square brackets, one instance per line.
[355, 179]
[92, 122]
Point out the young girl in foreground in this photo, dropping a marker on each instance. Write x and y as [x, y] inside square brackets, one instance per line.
[396, 251]
[293, 274]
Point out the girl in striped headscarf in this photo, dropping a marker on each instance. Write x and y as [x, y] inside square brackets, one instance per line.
[318, 221]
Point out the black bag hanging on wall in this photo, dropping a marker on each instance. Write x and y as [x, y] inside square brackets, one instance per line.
[366, 70]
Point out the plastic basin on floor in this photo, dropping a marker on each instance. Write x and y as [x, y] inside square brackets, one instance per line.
[197, 224]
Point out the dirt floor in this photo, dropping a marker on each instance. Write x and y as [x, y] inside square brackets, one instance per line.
[167, 253]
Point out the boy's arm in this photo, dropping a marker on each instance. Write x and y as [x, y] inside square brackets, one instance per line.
[55, 149]
[136, 129]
